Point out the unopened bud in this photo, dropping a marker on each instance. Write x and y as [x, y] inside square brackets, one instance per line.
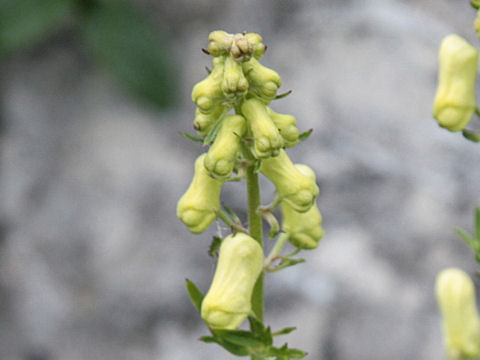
[228, 301]
[208, 94]
[287, 126]
[263, 82]
[267, 139]
[234, 84]
[461, 325]
[455, 99]
[304, 230]
[197, 208]
[219, 43]
[221, 156]
[296, 189]
[203, 123]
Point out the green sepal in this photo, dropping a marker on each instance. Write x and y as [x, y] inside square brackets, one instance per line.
[230, 347]
[195, 294]
[192, 137]
[471, 135]
[284, 331]
[281, 96]
[305, 135]
[215, 246]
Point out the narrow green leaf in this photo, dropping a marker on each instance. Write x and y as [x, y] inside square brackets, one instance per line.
[471, 135]
[195, 294]
[281, 96]
[239, 337]
[232, 348]
[192, 137]
[466, 237]
[231, 214]
[208, 339]
[296, 354]
[256, 325]
[119, 35]
[214, 246]
[287, 262]
[284, 331]
[304, 136]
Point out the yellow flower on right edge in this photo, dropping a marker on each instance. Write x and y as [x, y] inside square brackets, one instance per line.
[454, 102]
[461, 324]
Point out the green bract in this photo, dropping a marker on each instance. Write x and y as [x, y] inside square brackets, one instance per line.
[455, 99]
[295, 188]
[220, 159]
[461, 325]
[197, 208]
[228, 301]
[304, 230]
[267, 139]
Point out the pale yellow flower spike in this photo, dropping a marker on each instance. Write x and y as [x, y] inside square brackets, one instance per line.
[454, 102]
[198, 207]
[228, 301]
[461, 325]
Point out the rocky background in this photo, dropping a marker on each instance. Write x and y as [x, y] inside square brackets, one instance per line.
[93, 259]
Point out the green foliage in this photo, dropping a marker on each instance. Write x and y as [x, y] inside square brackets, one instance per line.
[192, 137]
[257, 342]
[215, 246]
[25, 22]
[122, 39]
[473, 241]
[305, 135]
[195, 294]
[471, 135]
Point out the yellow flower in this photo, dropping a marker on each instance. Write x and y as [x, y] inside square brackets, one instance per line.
[234, 84]
[455, 99]
[295, 188]
[228, 301]
[203, 123]
[461, 325]
[208, 94]
[221, 156]
[198, 207]
[267, 139]
[287, 126]
[263, 82]
[304, 230]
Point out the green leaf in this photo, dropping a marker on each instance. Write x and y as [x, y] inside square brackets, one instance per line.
[214, 246]
[285, 353]
[119, 35]
[192, 137]
[467, 238]
[213, 132]
[471, 135]
[296, 354]
[256, 325]
[475, 3]
[231, 214]
[232, 348]
[304, 136]
[25, 22]
[284, 331]
[281, 96]
[239, 337]
[195, 294]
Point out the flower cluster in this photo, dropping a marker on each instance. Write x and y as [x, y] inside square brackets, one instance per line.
[253, 135]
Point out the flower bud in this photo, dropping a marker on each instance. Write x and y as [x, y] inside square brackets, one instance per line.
[296, 189]
[267, 139]
[221, 156]
[263, 82]
[208, 94]
[203, 123]
[198, 207]
[256, 41]
[220, 43]
[304, 230]
[234, 84]
[455, 99]
[456, 299]
[228, 301]
[287, 126]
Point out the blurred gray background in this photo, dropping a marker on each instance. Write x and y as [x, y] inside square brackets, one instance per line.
[92, 257]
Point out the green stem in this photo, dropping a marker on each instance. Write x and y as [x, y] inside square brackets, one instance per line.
[277, 248]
